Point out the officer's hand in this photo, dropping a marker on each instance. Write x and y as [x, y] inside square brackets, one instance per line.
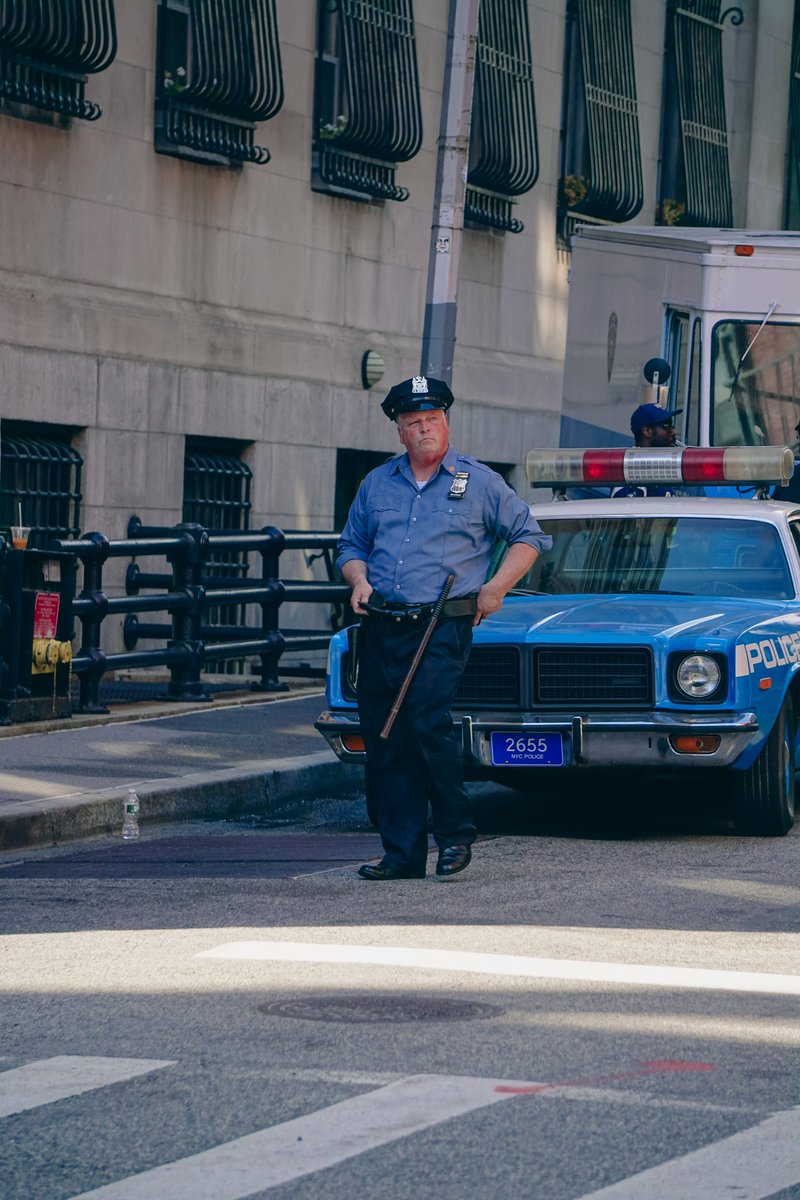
[489, 601]
[360, 595]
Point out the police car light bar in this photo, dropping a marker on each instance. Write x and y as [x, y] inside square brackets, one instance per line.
[637, 465]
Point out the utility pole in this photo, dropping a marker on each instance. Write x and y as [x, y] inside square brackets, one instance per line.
[444, 257]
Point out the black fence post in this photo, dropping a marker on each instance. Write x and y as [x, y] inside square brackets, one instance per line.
[91, 621]
[270, 578]
[188, 562]
[10, 613]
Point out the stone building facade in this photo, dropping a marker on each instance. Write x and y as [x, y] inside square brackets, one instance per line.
[147, 299]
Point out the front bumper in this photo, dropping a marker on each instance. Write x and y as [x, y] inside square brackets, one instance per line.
[590, 740]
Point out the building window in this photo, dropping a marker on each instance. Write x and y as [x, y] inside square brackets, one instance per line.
[504, 155]
[218, 72]
[601, 167]
[367, 112]
[40, 477]
[694, 186]
[47, 50]
[216, 484]
[351, 467]
[792, 213]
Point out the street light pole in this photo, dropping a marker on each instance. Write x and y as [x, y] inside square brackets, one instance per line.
[444, 257]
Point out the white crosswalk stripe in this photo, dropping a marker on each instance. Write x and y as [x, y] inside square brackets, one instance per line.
[521, 965]
[51, 1079]
[750, 1165]
[321, 1139]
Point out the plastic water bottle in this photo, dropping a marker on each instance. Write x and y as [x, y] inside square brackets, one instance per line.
[130, 824]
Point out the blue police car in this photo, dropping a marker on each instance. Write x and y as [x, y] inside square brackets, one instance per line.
[659, 633]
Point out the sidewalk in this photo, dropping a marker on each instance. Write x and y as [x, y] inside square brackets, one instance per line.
[243, 753]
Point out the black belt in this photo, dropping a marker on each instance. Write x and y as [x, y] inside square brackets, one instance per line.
[466, 606]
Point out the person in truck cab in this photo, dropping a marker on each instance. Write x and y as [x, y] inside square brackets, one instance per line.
[652, 427]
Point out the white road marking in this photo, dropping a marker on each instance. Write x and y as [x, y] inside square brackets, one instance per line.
[510, 964]
[299, 1147]
[51, 1079]
[750, 1165]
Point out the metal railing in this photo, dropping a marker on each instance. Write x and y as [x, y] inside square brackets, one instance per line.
[186, 593]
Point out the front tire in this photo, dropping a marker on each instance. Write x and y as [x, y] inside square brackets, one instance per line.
[764, 799]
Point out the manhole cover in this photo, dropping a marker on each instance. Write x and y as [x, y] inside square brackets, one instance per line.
[371, 1009]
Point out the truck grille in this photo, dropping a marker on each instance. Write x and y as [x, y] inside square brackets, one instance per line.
[605, 677]
[492, 678]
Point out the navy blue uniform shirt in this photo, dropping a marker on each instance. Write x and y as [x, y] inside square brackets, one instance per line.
[412, 538]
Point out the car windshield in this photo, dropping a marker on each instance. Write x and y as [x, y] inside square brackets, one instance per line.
[691, 556]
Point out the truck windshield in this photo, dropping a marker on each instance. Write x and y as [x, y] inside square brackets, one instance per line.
[755, 391]
[692, 556]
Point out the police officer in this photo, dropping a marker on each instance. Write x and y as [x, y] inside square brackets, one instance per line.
[417, 519]
[652, 427]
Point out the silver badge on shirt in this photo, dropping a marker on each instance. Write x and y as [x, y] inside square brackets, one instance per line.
[458, 486]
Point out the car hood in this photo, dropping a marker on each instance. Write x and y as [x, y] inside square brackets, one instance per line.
[622, 616]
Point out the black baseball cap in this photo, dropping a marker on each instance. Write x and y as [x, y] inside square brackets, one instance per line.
[652, 414]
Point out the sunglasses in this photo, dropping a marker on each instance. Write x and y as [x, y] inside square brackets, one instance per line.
[665, 425]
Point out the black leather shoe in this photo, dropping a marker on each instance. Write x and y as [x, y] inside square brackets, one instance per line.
[384, 870]
[453, 859]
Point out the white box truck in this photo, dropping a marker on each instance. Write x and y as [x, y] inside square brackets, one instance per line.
[721, 306]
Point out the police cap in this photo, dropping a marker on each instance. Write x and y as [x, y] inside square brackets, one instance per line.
[414, 395]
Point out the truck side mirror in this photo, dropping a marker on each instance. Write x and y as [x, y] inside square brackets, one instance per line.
[657, 372]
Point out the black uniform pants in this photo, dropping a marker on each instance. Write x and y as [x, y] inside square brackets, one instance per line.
[421, 761]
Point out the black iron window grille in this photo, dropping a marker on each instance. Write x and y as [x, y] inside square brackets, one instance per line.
[792, 201]
[694, 185]
[218, 72]
[601, 164]
[47, 50]
[216, 494]
[504, 154]
[216, 487]
[368, 115]
[40, 479]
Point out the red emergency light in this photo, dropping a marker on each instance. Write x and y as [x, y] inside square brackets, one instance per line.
[637, 465]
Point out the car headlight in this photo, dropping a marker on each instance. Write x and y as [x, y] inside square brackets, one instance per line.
[698, 676]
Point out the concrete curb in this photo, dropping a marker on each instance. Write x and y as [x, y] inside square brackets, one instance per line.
[278, 786]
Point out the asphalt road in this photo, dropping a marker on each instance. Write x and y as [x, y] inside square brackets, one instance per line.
[226, 1010]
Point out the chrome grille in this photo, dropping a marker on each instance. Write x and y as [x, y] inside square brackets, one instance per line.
[491, 679]
[602, 677]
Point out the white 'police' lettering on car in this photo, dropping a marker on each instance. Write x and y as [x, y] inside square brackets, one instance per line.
[769, 652]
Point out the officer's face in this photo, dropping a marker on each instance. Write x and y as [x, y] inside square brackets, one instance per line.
[424, 434]
[664, 434]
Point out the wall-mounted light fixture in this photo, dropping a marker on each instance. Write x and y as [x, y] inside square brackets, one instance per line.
[372, 368]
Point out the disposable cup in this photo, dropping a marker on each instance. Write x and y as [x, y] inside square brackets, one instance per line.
[19, 536]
